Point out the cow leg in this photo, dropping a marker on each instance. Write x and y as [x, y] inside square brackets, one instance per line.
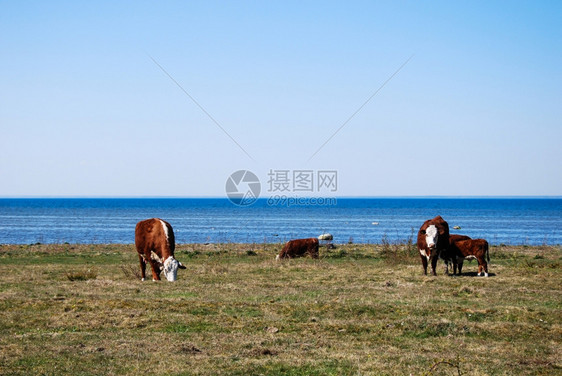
[446, 268]
[142, 267]
[485, 264]
[424, 263]
[155, 270]
[479, 259]
[434, 264]
[460, 266]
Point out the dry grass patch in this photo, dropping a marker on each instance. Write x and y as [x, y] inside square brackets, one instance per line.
[81, 275]
[237, 311]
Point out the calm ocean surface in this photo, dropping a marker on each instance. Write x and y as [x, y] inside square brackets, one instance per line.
[533, 221]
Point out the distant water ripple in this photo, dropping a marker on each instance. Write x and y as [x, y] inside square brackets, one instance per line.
[533, 221]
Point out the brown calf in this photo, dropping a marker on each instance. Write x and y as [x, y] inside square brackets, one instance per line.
[470, 249]
[298, 248]
[449, 255]
[155, 243]
[433, 238]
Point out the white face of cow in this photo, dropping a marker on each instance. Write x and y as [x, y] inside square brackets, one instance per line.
[431, 236]
[171, 266]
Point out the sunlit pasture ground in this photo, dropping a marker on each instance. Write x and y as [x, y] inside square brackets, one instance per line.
[358, 310]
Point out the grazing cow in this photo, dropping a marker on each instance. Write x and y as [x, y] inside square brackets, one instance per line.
[155, 242]
[433, 238]
[471, 249]
[449, 255]
[298, 248]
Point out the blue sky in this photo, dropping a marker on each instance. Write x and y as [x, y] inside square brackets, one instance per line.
[84, 110]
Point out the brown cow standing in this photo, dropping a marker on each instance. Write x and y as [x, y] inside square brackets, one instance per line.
[470, 249]
[155, 242]
[449, 255]
[433, 238]
[298, 248]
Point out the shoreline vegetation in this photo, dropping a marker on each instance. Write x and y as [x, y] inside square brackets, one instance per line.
[361, 309]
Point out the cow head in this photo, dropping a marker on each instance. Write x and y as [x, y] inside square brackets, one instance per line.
[431, 236]
[171, 266]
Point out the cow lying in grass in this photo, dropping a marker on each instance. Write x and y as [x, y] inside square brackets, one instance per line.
[298, 248]
[155, 243]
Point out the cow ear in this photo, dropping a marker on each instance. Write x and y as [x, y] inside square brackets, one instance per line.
[181, 266]
[422, 232]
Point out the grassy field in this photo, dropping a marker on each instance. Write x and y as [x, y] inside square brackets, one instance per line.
[359, 310]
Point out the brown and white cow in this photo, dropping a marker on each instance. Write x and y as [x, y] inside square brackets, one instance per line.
[449, 255]
[470, 249]
[433, 238]
[298, 248]
[155, 242]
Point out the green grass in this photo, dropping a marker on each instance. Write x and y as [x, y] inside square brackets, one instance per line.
[358, 310]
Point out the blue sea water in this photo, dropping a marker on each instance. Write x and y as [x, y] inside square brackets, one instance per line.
[533, 221]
